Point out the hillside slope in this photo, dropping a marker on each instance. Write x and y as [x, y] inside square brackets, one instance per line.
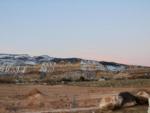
[46, 67]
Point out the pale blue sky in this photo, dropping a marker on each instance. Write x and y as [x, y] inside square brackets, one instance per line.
[111, 30]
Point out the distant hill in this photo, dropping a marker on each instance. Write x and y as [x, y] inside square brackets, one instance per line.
[68, 68]
[24, 59]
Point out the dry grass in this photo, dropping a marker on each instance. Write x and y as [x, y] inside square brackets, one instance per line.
[56, 97]
[114, 83]
[78, 94]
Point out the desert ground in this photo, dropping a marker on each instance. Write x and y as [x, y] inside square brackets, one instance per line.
[33, 98]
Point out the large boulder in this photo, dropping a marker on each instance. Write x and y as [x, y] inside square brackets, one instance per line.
[111, 102]
[142, 97]
[129, 100]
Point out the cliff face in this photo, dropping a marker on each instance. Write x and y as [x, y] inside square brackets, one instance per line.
[13, 64]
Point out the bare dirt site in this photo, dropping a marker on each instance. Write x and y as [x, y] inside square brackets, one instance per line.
[59, 99]
[74, 56]
[43, 84]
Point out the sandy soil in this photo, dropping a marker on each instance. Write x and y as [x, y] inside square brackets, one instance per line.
[19, 98]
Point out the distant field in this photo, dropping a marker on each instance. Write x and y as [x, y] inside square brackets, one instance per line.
[136, 83]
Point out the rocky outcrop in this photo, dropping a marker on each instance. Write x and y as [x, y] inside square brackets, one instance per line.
[9, 60]
[129, 100]
[121, 100]
[124, 99]
[111, 102]
[142, 96]
[22, 64]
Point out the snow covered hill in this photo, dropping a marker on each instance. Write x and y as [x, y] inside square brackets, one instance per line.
[26, 60]
[22, 59]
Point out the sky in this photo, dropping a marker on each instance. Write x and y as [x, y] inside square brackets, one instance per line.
[105, 30]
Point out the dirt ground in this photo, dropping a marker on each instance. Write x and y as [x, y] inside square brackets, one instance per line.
[27, 98]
